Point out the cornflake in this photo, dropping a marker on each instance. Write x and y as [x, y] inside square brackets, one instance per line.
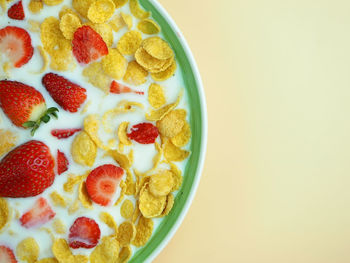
[34, 26]
[72, 181]
[62, 253]
[130, 184]
[125, 254]
[182, 138]
[105, 31]
[127, 20]
[119, 3]
[45, 59]
[144, 231]
[148, 26]
[117, 22]
[67, 10]
[4, 213]
[109, 221]
[135, 74]
[150, 206]
[156, 96]
[164, 75]
[82, 6]
[127, 209]
[69, 24]
[107, 251]
[172, 123]
[122, 133]
[28, 250]
[169, 205]
[120, 158]
[156, 115]
[129, 42]
[122, 193]
[52, 2]
[152, 64]
[177, 177]
[84, 196]
[137, 11]
[157, 48]
[161, 183]
[59, 226]
[100, 11]
[57, 199]
[84, 150]
[126, 233]
[114, 64]
[35, 6]
[173, 153]
[7, 142]
[97, 77]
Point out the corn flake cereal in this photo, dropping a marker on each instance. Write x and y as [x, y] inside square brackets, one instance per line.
[105, 31]
[28, 250]
[45, 59]
[182, 138]
[157, 48]
[136, 214]
[84, 196]
[52, 2]
[100, 11]
[120, 158]
[148, 26]
[122, 193]
[67, 10]
[150, 63]
[62, 253]
[172, 123]
[137, 11]
[117, 22]
[129, 42]
[4, 213]
[122, 133]
[173, 153]
[83, 149]
[127, 209]
[34, 26]
[127, 20]
[169, 205]
[91, 127]
[161, 183]
[57, 199]
[126, 234]
[74, 207]
[150, 206]
[114, 64]
[144, 231]
[164, 75]
[59, 226]
[119, 3]
[156, 96]
[177, 177]
[47, 260]
[156, 115]
[135, 74]
[82, 6]
[125, 254]
[7, 142]
[107, 251]
[35, 6]
[109, 221]
[97, 77]
[69, 24]
[72, 181]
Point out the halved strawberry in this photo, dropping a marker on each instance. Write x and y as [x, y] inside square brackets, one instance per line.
[64, 133]
[16, 43]
[62, 162]
[16, 11]
[38, 215]
[88, 45]
[67, 94]
[144, 133]
[7, 255]
[102, 183]
[118, 88]
[84, 232]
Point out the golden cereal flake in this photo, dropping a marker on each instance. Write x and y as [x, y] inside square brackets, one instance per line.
[33, 25]
[120, 158]
[52, 2]
[177, 177]
[72, 181]
[4, 213]
[83, 149]
[127, 20]
[161, 183]
[91, 127]
[126, 234]
[144, 231]
[28, 250]
[47, 260]
[117, 22]
[7, 142]
[148, 26]
[137, 11]
[62, 253]
[105, 31]
[130, 184]
[137, 213]
[135, 74]
[156, 96]
[169, 205]
[74, 207]
[114, 64]
[127, 209]
[129, 42]
[173, 153]
[150, 206]
[122, 133]
[157, 48]
[122, 193]
[142, 179]
[109, 221]
[153, 65]
[62, 60]
[157, 158]
[119, 3]
[45, 58]
[84, 196]
[35, 6]
[100, 11]
[172, 123]
[164, 75]
[182, 138]
[69, 24]
[125, 254]
[59, 226]
[158, 114]
[82, 6]
[107, 251]
[86, 107]
[57, 199]
[96, 76]
[67, 10]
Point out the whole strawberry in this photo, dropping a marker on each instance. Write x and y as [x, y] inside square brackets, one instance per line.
[27, 170]
[24, 105]
[68, 95]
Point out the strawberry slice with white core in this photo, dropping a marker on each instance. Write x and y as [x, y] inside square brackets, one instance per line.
[16, 43]
[38, 215]
[118, 88]
[102, 183]
[7, 255]
[84, 232]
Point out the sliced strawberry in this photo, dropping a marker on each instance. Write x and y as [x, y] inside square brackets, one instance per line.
[7, 255]
[67, 94]
[88, 45]
[38, 215]
[84, 232]
[16, 43]
[144, 133]
[102, 183]
[64, 133]
[62, 162]
[118, 88]
[16, 11]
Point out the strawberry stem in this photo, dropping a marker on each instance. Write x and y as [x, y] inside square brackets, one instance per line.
[44, 118]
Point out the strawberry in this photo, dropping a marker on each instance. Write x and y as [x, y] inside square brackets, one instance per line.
[7, 255]
[118, 88]
[84, 232]
[38, 215]
[68, 95]
[62, 162]
[144, 133]
[16, 11]
[88, 45]
[27, 170]
[102, 183]
[64, 133]
[24, 105]
[16, 43]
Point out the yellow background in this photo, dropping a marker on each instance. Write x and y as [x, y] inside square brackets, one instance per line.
[276, 183]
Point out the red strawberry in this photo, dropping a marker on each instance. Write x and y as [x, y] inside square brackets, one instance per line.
[88, 45]
[62, 162]
[16, 11]
[16, 43]
[7, 255]
[102, 183]
[38, 215]
[118, 88]
[84, 232]
[144, 133]
[24, 105]
[68, 95]
[64, 133]
[27, 170]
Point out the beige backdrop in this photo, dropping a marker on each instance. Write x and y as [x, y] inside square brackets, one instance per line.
[275, 187]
